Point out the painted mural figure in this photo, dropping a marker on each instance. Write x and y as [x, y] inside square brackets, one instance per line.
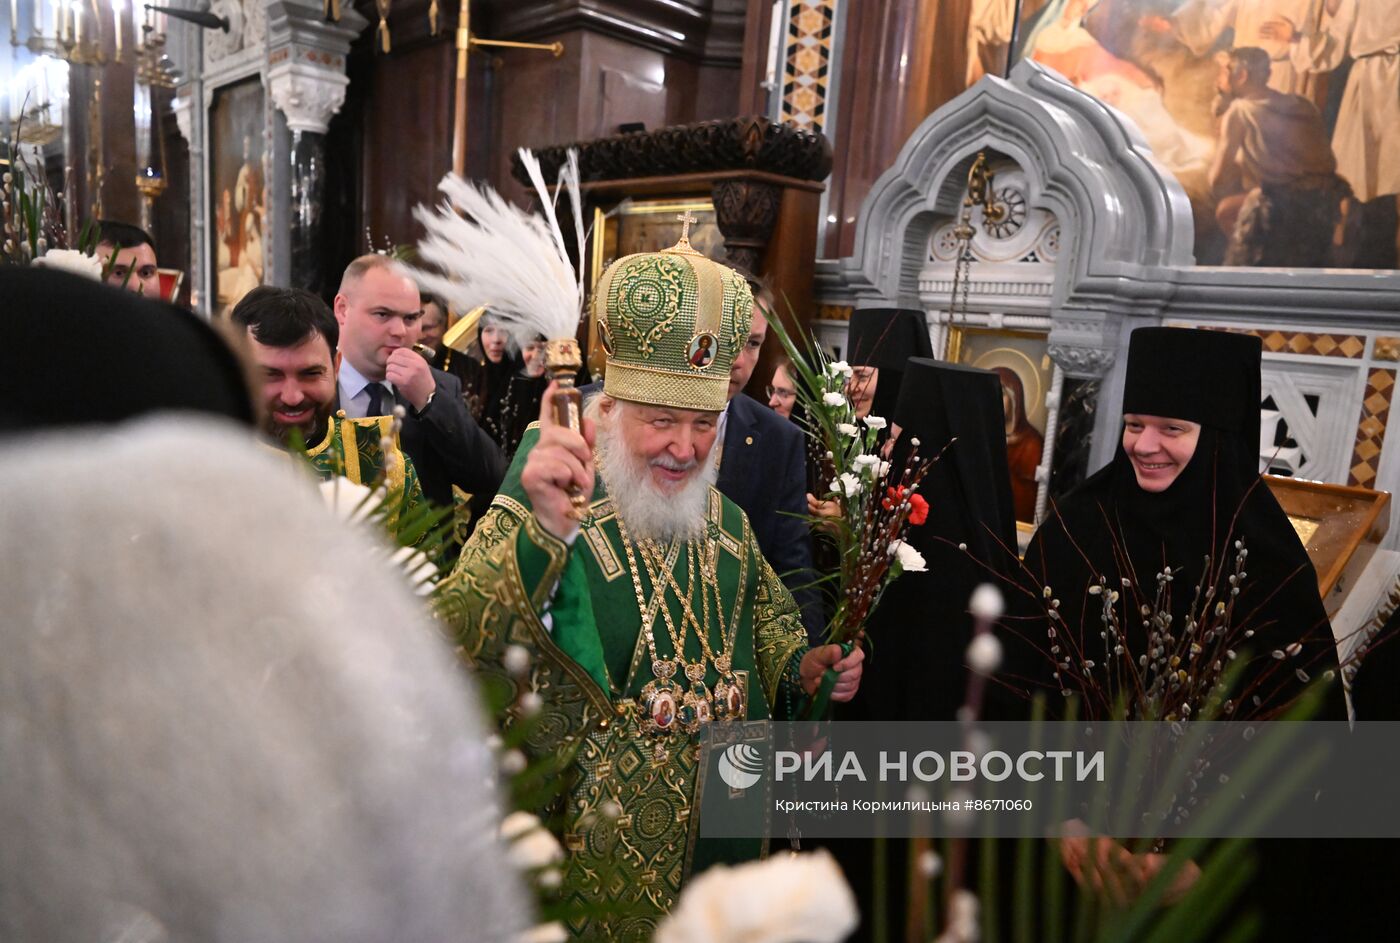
[1157, 62]
[1061, 41]
[1367, 135]
[988, 37]
[1274, 173]
[1200, 25]
[239, 221]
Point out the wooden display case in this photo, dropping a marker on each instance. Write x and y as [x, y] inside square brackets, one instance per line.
[1341, 527]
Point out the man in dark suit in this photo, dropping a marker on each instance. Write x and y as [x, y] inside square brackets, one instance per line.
[378, 308]
[763, 469]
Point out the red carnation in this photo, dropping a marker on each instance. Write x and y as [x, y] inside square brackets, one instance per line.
[918, 510]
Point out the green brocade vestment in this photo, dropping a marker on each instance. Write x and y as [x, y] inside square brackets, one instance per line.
[351, 448]
[589, 665]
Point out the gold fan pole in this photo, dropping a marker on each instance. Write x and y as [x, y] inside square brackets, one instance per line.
[465, 42]
[563, 360]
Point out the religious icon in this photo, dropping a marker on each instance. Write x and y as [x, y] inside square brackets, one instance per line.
[1021, 361]
[663, 711]
[734, 700]
[1024, 444]
[701, 352]
[236, 121]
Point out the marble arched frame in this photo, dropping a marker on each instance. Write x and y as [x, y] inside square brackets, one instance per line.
[1126, 220]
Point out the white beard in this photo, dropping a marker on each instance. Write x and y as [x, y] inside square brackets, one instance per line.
[649, 511]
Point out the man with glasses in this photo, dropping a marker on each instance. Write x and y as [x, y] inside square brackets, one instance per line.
[782, 394]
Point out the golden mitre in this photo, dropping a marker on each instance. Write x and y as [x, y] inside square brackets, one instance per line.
[671, 323]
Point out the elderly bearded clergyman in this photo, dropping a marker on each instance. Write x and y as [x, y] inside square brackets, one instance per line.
[655, 613]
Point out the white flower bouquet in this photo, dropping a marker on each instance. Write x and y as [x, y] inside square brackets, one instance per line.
[868, 506]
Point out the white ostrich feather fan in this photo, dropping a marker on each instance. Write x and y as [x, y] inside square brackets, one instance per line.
[489, 252]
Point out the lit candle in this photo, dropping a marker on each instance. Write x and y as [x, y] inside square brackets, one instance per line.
[14, 22]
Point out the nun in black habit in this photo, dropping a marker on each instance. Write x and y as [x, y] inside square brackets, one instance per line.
[1158, 505]
[919, 632]
[879, 344]
[921, 628]
[80, 352]
[1163, 504]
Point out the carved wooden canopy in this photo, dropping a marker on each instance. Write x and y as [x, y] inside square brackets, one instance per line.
[753, 143]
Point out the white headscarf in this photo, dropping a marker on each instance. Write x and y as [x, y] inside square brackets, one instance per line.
[222, 716]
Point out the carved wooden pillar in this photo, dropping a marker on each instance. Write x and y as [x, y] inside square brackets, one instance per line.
[763, 178]
[746, 212]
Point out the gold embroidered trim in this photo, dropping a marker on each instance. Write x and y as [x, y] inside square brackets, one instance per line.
[507, 503]
[603, 553]
[325, 442]
[666, 388]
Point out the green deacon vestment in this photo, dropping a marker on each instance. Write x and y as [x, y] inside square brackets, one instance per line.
[590, 663]
[351, 447]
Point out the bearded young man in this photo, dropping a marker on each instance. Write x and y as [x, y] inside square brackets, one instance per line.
[651, 613]
[293, 337]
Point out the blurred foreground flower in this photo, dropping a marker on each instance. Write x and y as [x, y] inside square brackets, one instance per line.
[73, 261]
[347, 500]
[786, 899]
[531, 844]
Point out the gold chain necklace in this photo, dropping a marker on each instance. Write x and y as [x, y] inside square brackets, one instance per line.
[662, 699]
[697, 703]
[729, 699]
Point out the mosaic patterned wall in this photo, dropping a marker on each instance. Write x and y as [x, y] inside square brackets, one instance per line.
[1351, 346]
[809, 48]
[1370, 430]
[1380, 384]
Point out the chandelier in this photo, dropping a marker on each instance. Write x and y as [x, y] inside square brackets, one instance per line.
[71, 30]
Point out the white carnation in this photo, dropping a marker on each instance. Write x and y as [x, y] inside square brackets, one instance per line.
[347, 500]
[71, 261]
[787, 897]
[875, 422]
[531, 846]
[834, 399]
[846, 428]
[862, 462]
[909, 559]
[552, 932]
[839, 368]
[848, 484]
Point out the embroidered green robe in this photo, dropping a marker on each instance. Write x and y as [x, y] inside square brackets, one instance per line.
[590, 665]
[351, 447]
